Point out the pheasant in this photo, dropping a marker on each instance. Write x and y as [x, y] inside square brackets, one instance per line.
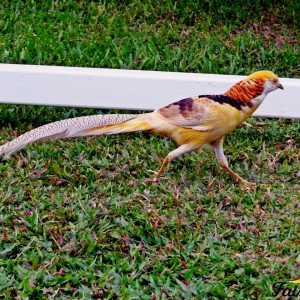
[191, 122]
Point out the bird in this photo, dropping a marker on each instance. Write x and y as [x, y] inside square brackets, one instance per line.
[191, 122]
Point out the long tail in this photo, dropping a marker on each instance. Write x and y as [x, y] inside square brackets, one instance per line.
[81, 126]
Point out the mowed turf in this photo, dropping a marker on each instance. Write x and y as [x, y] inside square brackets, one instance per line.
[79, 220]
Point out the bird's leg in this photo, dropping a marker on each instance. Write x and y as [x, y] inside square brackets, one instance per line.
[162, 168]
[175, 153]
[222, 160]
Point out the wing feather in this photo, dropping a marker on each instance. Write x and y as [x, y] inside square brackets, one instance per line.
[200, 114]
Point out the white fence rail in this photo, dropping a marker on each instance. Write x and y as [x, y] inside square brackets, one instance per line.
[126, 89]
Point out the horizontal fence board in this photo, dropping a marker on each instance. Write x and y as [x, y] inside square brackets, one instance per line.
[127, 89]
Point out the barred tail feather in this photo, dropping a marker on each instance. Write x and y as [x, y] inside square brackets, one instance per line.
[81, 126]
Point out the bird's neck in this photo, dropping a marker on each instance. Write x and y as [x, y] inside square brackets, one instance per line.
[250, 93]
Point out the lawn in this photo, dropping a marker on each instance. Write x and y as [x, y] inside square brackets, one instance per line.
[79, 219]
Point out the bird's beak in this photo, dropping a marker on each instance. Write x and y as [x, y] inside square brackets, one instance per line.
[279, 86]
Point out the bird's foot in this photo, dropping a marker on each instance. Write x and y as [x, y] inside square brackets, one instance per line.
[246, 184]
[155, 180]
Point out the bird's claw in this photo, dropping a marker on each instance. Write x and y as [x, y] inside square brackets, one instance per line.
[156, 180]
[246, 184]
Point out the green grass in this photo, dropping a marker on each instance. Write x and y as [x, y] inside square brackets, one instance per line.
[79, 219]
[198, 36]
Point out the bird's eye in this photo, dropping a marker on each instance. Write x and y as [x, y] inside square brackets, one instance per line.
[274, 81]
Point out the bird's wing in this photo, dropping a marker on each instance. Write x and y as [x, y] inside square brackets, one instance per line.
[198, 113]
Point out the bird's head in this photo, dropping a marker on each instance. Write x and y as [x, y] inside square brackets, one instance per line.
[255, 87]
[268, 79]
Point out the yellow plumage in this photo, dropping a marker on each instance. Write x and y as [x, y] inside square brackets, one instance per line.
[263, 74]
[191, 122]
